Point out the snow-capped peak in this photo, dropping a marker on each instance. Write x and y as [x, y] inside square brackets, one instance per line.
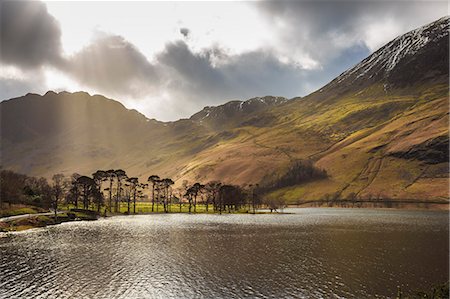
[385, 60]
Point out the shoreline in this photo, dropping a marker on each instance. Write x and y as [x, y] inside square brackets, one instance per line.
[371, 204]
[30, 221]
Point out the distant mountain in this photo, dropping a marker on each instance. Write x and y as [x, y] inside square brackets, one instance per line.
[234, 112]
[380, 130]
[49, 116]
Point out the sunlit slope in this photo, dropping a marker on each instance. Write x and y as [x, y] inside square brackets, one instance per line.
[380, 129]
[405, 157]
[377, 146]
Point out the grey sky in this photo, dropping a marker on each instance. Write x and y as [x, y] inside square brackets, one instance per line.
[189, 55]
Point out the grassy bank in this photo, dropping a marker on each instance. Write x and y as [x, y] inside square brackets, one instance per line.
[45, 220]
[146, 208]
[15, 209]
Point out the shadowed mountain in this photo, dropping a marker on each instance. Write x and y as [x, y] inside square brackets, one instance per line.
[379, 130]
[75, 132]
[48, 117]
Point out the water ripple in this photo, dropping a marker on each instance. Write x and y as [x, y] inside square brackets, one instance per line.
[314, 253]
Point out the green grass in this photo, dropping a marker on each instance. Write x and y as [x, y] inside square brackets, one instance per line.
[41, 221]
[14, 210]
[27, 223]
[146, 208]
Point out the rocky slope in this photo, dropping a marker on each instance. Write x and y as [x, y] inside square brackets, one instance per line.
[416, 57]
[233, 113]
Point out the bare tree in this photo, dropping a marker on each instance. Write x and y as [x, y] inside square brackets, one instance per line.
[254, 196]
[110, 174]
[59, 186]
[189, 195]
[87, 185]
[196, 189]
[74, 191]
[153, 179]
[120, 175]
[166, 184]
[133, 184]
[99, 176]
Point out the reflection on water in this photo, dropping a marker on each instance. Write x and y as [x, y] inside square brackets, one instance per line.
[312, 253]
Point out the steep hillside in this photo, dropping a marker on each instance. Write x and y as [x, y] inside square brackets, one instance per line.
[380, 130]
[417, 57]
[76, 132]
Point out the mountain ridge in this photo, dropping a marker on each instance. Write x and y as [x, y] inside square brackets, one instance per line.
[232, 112]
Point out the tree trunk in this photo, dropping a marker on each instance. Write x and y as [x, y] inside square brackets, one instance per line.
[153, 195]
[119, 185]
[98, 205]
[76, 199]
[157, 201]
[56, 208]
[134, 202]
[165, 200]
[110, 195]
[85, 198]
[170, 200]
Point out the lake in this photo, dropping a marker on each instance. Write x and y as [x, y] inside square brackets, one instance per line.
[311, 253]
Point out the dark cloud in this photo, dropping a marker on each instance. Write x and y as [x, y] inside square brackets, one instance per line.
[113, 65]
[189, 71]
[321, 29]
[185, 32]
[195, 78]
[29, 35]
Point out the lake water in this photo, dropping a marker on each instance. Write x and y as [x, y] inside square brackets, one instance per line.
[312, 253]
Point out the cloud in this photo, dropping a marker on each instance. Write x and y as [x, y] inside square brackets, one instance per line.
[113, 65]
[212, 76]
[29, 35]
[320, 30]
[308, 44]
[185, 32]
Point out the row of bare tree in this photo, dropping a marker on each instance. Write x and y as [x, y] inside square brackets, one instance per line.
[110, 188]
[222, 197]
[119, 188]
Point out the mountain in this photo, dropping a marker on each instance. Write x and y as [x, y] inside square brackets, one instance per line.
[232, 113]
[75, 132]
[379, 130]
[416, 57]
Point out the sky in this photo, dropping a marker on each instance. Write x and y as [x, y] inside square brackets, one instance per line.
[169, 59]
